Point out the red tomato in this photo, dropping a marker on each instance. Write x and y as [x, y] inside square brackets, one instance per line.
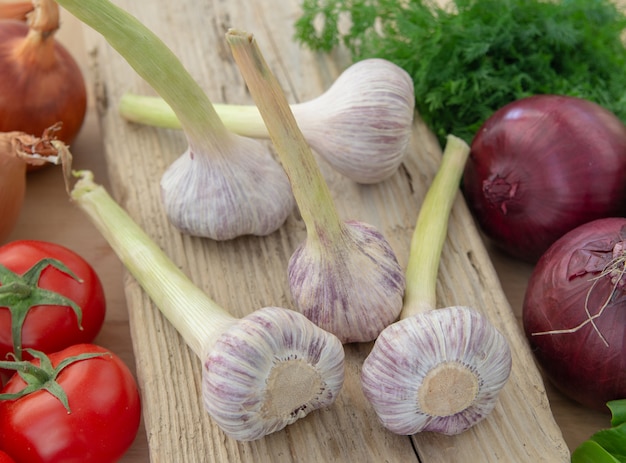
[50, 328]
[104, 420]
[5, 458]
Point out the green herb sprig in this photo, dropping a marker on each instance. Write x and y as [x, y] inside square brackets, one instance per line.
[470, 57]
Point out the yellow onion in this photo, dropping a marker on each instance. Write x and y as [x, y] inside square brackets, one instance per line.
[16, 10]
[41, 82]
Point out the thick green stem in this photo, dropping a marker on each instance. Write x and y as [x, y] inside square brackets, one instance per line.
[195, 316]
[156, 64]
[309, 187]
[152, 110]
[431, 229]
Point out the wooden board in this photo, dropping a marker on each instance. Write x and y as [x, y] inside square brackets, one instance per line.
[248, 273]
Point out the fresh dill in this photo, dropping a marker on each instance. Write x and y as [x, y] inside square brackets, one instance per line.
[468, 58]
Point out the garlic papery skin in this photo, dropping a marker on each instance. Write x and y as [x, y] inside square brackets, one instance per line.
[269, 370]
[416, 384]
[361, 125]
[435, 369]
[353, 289]
[345, 275]
[222, 185]
[245, 192]
[260, 373]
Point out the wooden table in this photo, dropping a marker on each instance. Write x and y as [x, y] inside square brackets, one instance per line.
[48, 215]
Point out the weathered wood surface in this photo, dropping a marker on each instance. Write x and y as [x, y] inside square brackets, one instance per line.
[248, 273]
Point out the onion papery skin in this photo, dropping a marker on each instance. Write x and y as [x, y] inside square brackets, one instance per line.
[40, 87]
[540, 167]
[580, 364]
[12, 192]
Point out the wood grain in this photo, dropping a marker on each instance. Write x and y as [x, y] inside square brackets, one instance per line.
[250, 272]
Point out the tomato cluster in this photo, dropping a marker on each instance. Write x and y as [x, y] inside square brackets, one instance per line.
[64, 398]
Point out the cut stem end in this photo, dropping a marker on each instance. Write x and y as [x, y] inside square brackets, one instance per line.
[291, 384]
[447, 389]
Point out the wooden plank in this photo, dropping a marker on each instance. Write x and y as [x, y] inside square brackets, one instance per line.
[250, 272]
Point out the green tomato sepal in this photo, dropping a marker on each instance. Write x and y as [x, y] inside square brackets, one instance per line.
[19, 293]
[44, 376]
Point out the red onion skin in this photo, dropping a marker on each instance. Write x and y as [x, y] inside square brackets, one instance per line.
[40, 85]
[541, 166]
[579, 364]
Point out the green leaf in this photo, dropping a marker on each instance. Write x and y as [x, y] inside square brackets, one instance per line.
[618, 411]
[592, 452]
[613, 440]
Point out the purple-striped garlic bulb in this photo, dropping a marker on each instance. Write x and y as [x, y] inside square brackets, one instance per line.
[260, 373]
[361, 125]
[267, 371]
[435, 369]
[438, 371]
[223, 185]
[345, 277]
[237, 190]
[366, 122]
[347, 281]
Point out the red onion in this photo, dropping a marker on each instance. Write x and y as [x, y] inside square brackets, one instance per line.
[574, 312]
[41, 82]
[543, 165]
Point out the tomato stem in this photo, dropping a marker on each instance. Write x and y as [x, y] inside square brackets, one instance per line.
[44, 376]
[20, 293]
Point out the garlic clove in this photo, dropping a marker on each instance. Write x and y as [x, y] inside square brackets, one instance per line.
[279, 365]
[362, 124]
[352, 288]
[407, 375]
[241, 192]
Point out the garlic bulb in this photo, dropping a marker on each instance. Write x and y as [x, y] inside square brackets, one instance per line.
[361, 125]
[345, 277]
[240, 190]
[269, 370]
[418, 384]
[367, 120]
[351, 285]
[260, 373]
[223, 185]
[436, 369]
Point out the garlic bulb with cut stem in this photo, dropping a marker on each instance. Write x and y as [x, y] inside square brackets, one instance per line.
[224, 185]
[361, 125]
[435, 370]
[260, 373]
[345, 277]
